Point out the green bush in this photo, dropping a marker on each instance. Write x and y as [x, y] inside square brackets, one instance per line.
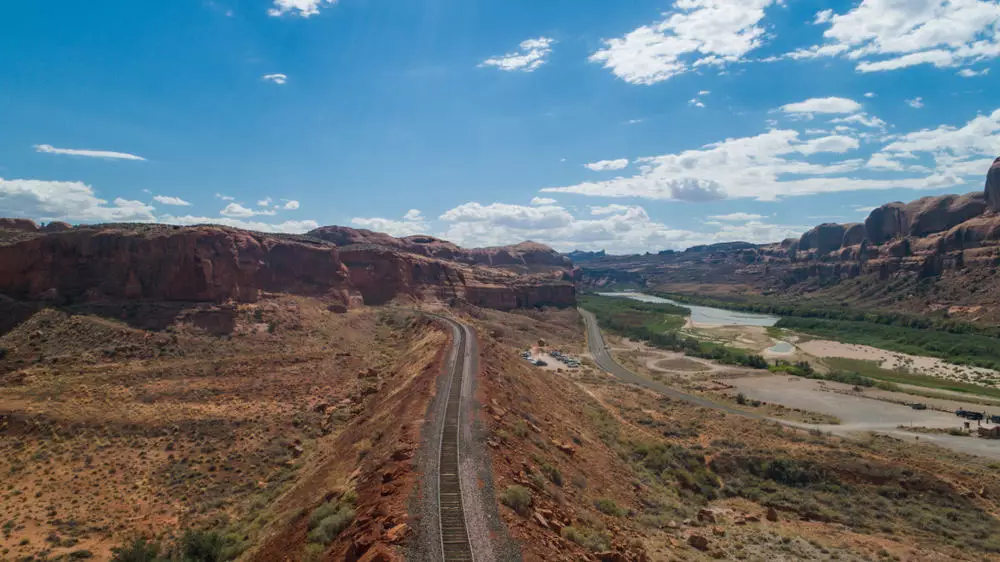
[553, 474]
[591, 539]
[139, 550]
[517, 498]
[608, 507]
[329, 520]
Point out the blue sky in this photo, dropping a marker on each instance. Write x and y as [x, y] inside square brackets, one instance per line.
[583, 124]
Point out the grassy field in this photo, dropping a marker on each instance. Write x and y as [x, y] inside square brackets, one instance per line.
[960, 343]
[871, 370]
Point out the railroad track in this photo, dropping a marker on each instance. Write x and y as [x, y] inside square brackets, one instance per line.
[455, 543]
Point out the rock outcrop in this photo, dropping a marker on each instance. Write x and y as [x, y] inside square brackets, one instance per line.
[217, 264]
[526, 255]
[22, 225]
[993, 186]
[824, 238]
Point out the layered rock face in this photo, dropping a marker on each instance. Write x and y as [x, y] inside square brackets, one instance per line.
[61, 264]
[523, 254]
[186, 264]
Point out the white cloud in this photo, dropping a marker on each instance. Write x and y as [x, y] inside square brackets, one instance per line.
[278, 79]
[413, 222]
[224, 197]
[605, 165]
[779, 164]
[615, 228]
[290, 204]
[696, 102]
[634, 121]
[304, 8]
[542, 201]
[887, 35]
[865, 210]
[737, 217]
[236, 210]
[862, 119]
[915, 103]
[608, 209]
[66, 200]
[287, 227]
[969, 73]
[265, 202]
[168, 200]
[870, 94]
[532, 55]
[49, 149]
[823, 105]
[695, 33]
[704, 92]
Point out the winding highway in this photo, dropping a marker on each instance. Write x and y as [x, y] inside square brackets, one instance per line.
[599, 351]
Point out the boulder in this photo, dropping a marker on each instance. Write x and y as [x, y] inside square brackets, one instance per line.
[698, 541]
[929, 215]
[824, 238]
[886, 223]
[23, 225]
[772, 514]
[854, 234]
[993, 186]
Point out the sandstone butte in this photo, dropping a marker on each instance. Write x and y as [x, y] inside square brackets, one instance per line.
[61, 264]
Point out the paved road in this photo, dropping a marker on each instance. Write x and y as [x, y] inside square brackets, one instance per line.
[599, 350]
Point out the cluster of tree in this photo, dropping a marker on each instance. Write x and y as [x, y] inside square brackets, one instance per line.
[646, 322]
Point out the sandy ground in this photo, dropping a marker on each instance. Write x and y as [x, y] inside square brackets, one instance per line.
[861, 413]
[893, 360]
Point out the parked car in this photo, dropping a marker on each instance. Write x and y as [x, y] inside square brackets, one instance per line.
[918, 406]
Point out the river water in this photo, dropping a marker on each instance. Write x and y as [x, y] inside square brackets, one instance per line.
[707, 314]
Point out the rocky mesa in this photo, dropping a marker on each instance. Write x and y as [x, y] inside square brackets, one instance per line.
[943, 251]
[62, 264]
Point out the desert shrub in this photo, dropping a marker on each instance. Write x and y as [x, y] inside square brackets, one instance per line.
[591, 539]
[741, 399]
[139, 550]
[329, 520]
[682, 465]
[553, 474]
[517, 498]
[202, 546]
[608, 506]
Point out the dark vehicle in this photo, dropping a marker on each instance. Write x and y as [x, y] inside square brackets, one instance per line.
[918, 406]
[994, 419]
[540, 363]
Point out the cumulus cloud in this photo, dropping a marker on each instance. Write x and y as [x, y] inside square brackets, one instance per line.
[70, 201]
[304, 8]
[168, 200]
[615, 228]
[532, 54]
[869, 94]
[822, 105]
[862, 119]
[265, 202]
[287, 227]
[278, 79]
[772, 165]
[915, 103]
[542, 201]
[224, 197]
[413, 222]
[290, 204]
[969, 73]
[885, 35]
[605, 165]
[235, 210]
[107, 154]
[694, 33]
[737, 217]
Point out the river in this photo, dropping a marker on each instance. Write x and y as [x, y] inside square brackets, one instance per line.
[706, 315]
